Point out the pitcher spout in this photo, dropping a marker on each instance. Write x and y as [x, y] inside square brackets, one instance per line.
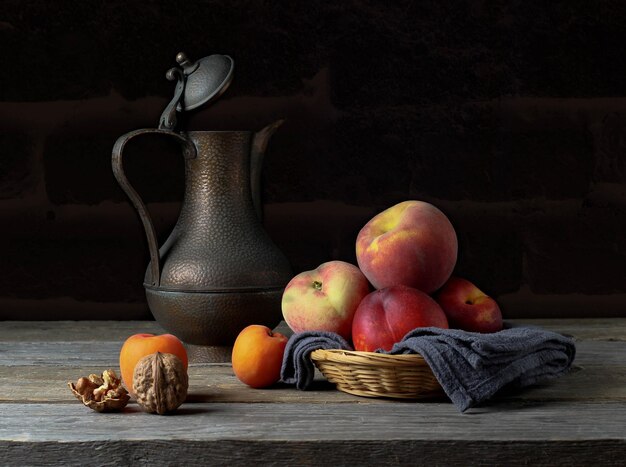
[259, 146]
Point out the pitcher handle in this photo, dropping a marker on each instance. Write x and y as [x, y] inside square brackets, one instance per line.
[189, 152]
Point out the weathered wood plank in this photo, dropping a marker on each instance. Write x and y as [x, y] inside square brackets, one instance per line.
[583, 329]
[231, 452]
[68, 331]
[106, 354]
[96, 354]
[217, 383]
[323, 422]
[208, 383]
[576, 420]
[26, 368]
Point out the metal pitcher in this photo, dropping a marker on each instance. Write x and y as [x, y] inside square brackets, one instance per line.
[218, 271]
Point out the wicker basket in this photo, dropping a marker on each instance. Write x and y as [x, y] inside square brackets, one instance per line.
[378, 375]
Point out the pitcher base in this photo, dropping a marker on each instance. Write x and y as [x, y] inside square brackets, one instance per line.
[209, 353]
[213, 319]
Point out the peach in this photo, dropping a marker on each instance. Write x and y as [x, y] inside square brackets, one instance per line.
[258, 355]
[468, 308]
[325, 298]
[412, 243]
[386, 315]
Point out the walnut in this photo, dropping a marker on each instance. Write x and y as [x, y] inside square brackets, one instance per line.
[160, 382]
[101, 393]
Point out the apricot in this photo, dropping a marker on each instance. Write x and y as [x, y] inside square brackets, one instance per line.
[139, 345]
[258, 356]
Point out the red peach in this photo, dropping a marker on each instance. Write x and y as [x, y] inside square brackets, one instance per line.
[412, 243]
[468, 308]
[386, 315]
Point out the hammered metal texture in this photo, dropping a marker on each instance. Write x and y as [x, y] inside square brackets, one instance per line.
[220, 271]
[213, 318]
[218, 243]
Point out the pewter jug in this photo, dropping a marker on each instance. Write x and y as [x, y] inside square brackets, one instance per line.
[218, 271]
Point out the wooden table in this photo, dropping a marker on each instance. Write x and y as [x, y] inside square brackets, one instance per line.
[579, 419]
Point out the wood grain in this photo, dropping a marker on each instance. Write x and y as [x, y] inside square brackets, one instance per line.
[70, 331]
[233, 452]
[284, 434]
[107, 353]
[216, 382]
[578, 419]
[322, 422]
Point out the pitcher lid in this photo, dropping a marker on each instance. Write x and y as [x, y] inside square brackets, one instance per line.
[206, 80]
[198, 83]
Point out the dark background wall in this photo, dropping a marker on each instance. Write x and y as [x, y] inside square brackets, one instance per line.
[509, 116]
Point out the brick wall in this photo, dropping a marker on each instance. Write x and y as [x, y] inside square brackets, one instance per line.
[510, 118]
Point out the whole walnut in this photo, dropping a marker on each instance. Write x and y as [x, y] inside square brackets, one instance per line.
[160, 383]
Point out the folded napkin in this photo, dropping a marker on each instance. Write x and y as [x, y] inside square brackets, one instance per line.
[471, 367]
[297, 367]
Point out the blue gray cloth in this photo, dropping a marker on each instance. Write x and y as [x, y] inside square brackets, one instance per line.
[297, 367]
[471, 367]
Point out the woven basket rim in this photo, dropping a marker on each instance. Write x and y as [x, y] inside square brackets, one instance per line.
[366, 358]
[370, 374]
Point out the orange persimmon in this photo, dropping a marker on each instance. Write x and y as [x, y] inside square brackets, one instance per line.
[139, 345]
